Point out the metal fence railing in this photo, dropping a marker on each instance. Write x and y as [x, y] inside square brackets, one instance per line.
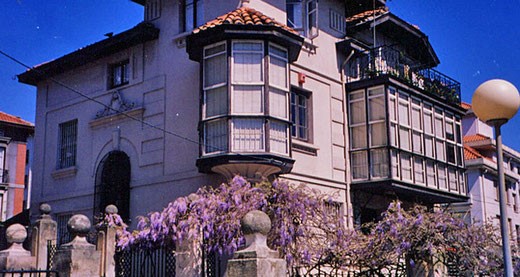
[386, 60]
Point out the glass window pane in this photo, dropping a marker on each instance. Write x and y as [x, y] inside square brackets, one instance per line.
[418, 170]
[359, 165]
[377, 108]
[439, 150]
[216, 101]
[395, 164]
[428, 146]
[416, 119]
[215, 70]
[379, 163]
[294, 14]
[417, 142]
[278, 103]
[441, 176]
[403, 114]
[378, 134]
[247, 99]
[430, 174]
[278, 137]
[439, 130]
[391, 109]
[404, 138]
[215, 136]
[278, 72]
[357, 112]
[248, 135]
[359, 137]
[428, 123]
[406, 166]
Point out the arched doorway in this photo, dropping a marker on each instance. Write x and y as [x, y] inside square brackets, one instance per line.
[113, 184]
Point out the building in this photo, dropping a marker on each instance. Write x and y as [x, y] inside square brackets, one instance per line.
[340, 95]
[481, 163]
[16, 137]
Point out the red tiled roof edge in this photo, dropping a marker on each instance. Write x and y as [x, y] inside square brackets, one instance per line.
[366, 14]
[243, 16]
[466, 106]
[476, 137]
[5, 117]
[471, 154]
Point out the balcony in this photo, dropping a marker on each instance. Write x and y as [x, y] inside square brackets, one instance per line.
[386, 61]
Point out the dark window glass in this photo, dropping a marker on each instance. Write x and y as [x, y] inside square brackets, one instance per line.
[299, 115]
[119, 74]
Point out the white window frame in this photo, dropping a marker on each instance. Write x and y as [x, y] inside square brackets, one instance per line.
[214, 86]
[235, 84]
[306, 28]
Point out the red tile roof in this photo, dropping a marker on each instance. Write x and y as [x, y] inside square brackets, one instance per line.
[477, 137]
[243, 16]
[471, 154]
[465, 105]
[366, 15]
[4, 117]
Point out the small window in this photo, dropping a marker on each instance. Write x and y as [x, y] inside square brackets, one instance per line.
[119, 74]
[152, 9]
[68, 132]
[192, 14]
[300, 112]
[302, 15]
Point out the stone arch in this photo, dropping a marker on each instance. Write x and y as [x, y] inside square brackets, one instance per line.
[113, 175]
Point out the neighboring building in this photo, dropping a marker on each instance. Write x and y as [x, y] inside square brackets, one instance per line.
[16, 137]
[481, 163]
[272, 88]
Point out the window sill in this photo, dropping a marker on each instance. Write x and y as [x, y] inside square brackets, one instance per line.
[304, 147]
[64, 172]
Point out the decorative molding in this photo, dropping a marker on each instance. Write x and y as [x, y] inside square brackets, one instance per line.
[118, 117]
[117, 105]
[64, 173]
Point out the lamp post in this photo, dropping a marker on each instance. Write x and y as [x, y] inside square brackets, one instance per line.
[495, 102]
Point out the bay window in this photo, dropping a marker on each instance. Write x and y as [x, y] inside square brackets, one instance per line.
[234, 112]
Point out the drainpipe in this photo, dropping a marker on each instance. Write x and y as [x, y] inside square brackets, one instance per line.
[346, 138]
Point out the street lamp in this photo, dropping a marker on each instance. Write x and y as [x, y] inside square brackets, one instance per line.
[495, 102]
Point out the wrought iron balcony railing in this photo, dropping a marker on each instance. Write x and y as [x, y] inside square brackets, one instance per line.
[388, 61]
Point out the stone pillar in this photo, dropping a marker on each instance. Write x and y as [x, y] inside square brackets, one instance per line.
[256, 259]
[16, 257]
[78, 258]
[106, 244]
[44, 230]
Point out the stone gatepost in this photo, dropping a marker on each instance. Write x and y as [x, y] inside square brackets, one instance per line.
[78, 258]
[256, 259]
[106, 244]
[16, 257]
[43, 231]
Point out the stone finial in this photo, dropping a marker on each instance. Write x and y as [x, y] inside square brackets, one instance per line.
[45, 210]
[256, 225]
[16, 257]
[111, 209]
[16, 233]
[256, 260]
[256, 222]
[79, 225]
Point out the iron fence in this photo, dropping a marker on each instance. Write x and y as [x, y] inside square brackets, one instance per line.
[382, 61]
[145, 262]
[52, 248]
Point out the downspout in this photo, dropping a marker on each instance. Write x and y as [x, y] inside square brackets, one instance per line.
[346, 138]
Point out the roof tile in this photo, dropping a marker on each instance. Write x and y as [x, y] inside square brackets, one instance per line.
[243, 16]
[5, 117]
[465, 105]
[477, 137]
[367, 15]
[471, 154]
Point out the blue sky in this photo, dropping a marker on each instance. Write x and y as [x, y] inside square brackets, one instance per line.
[475, 41]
